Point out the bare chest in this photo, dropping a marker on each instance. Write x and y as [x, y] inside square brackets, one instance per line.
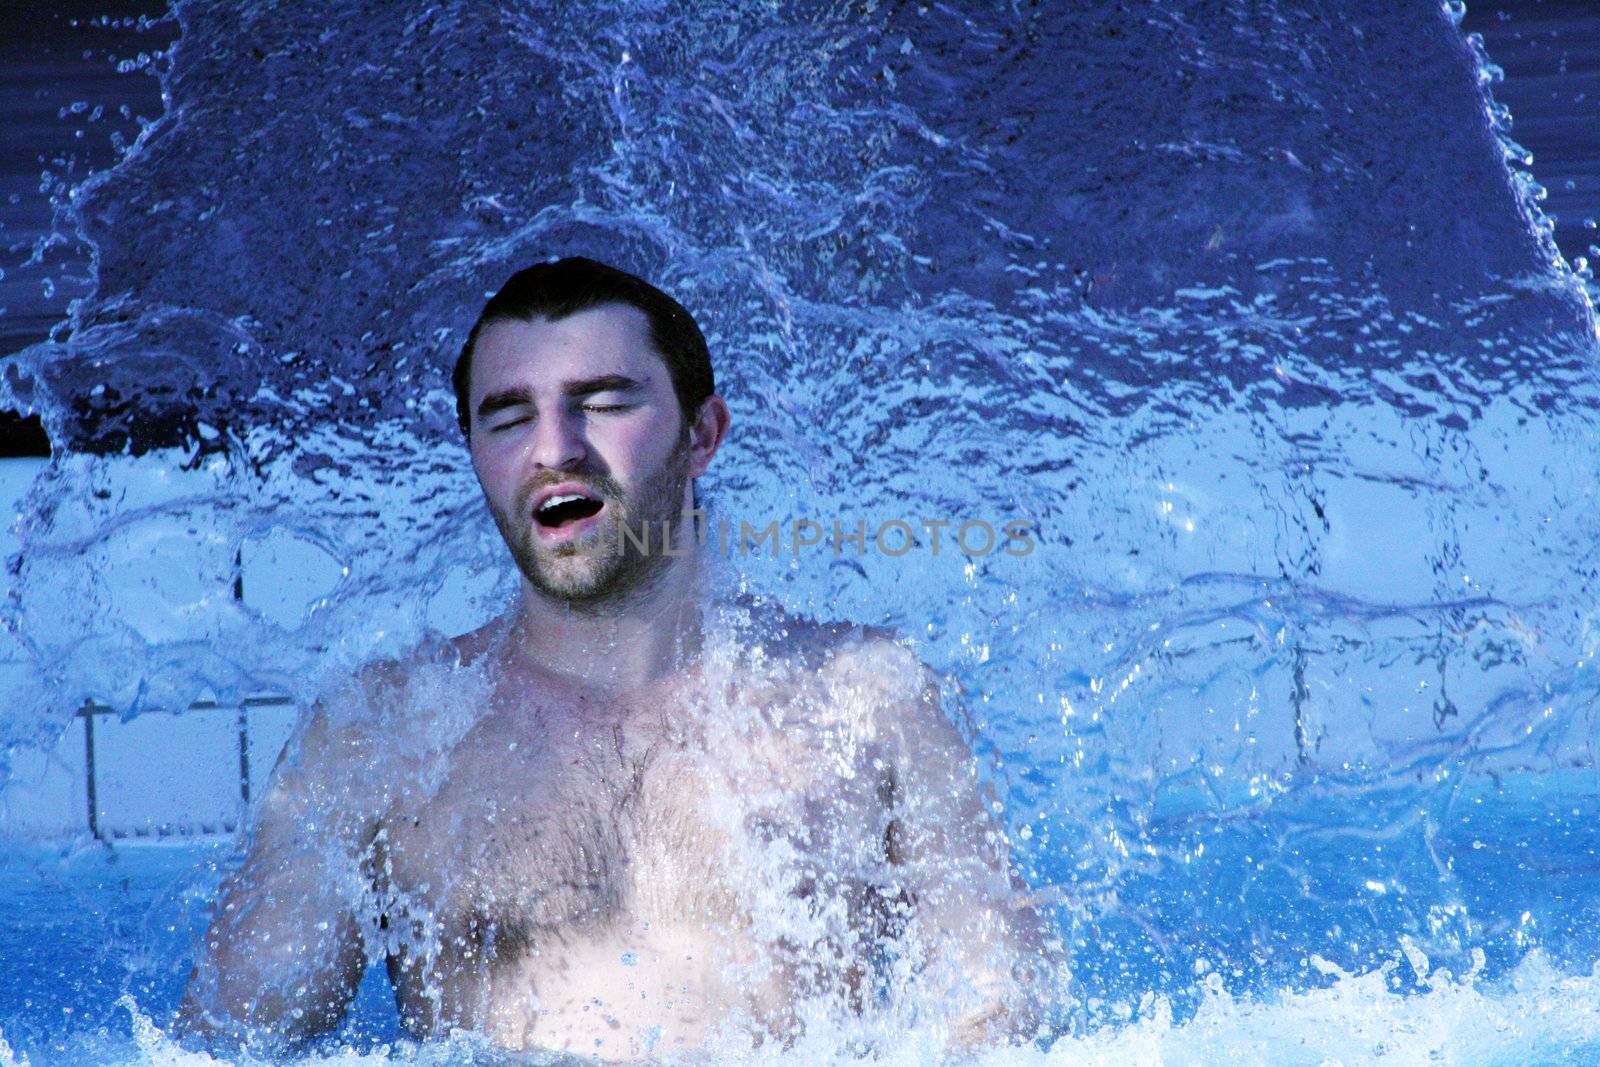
[562, 827]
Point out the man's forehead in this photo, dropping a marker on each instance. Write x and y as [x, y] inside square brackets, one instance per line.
[609, 339]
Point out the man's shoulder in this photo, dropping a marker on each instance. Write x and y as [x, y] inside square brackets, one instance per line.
[861, 658]
[387, 696]
[875, 656]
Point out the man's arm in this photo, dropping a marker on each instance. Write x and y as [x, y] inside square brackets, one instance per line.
[985, 950]
[283, 956]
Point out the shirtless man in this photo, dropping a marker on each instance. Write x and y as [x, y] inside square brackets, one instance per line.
[622, 821]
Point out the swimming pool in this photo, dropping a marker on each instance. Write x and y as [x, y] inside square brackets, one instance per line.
[99, 942]
[1293, 707]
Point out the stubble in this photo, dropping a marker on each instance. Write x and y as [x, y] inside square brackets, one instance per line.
[603, 567]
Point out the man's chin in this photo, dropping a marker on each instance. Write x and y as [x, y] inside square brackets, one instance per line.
[594, 567]
[574, 571]
[573, 588]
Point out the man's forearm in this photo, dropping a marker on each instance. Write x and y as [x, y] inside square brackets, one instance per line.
[1002, 1013]
[264, 1019]
[268, 978]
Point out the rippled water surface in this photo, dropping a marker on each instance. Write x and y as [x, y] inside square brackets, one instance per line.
[1241, 304]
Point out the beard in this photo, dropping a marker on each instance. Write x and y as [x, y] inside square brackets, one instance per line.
[602, 567]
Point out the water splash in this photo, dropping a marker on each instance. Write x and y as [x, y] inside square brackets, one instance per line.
[1242, 308]
[1537, 1015]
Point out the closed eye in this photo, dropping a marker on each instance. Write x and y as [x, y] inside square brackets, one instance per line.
[607, 407]
[497, 427]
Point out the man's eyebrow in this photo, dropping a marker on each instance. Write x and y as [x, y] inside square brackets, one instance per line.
[605, 383]
[505, 398]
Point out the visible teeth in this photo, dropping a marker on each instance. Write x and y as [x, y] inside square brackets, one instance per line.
[564, 498]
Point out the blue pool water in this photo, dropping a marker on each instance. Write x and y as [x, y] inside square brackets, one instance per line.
[1252, 308]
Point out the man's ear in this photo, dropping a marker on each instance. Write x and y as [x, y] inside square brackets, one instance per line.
[710, 426]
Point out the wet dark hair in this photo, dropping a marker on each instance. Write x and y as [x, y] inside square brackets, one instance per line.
[567, 286]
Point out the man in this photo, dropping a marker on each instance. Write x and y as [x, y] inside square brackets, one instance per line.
[623, 820]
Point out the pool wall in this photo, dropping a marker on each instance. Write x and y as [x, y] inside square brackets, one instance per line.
[163, 774]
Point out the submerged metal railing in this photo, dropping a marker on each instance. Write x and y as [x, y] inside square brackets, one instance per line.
[95, 772]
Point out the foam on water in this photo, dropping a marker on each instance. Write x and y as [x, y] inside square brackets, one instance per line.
[1534, 1016]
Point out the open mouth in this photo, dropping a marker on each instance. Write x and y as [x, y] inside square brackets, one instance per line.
[560, 510]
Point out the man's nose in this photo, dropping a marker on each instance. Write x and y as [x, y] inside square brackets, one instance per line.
[558, 441]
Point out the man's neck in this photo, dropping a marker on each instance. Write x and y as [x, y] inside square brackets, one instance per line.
[622, 646]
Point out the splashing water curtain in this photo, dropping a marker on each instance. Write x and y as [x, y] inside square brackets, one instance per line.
[1252, 311]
